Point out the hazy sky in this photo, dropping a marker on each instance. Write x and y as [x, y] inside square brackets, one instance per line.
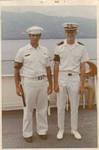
[75, 11]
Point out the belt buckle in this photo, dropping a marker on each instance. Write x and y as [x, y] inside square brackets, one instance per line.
[39, 77]
[69, 74]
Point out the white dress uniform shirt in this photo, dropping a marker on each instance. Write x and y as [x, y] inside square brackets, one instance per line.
[71, 56]
[35, 60]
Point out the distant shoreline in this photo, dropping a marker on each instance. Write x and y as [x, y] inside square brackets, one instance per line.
[49, 38]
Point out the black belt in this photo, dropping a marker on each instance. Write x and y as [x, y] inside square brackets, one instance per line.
[69, 74]
[40, 77]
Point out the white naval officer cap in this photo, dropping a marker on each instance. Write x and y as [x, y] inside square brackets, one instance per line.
[70, 26]
[34, 30]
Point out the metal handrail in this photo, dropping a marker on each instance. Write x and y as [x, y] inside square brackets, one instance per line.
[13, 59]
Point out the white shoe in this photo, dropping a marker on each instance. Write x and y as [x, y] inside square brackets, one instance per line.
[76, 134]
[60, 134]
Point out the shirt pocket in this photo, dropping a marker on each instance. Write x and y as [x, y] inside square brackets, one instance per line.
[76, 56]
[44, 59]
[63, 54]
[28, 58]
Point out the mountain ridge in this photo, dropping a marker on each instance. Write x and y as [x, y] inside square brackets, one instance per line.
[14, 24]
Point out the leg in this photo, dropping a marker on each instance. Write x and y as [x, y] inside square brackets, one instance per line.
[27, 123]
[41, 110]
[61, 104]
[30, 97]
[74, 102]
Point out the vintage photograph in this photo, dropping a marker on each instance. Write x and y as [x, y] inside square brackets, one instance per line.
[49, 76]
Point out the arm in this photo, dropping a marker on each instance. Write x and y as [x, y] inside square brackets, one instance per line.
[17, 77]
[56, 72]
[49, 77]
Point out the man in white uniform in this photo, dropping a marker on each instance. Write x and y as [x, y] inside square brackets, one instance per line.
[69, 59]
[34, 60]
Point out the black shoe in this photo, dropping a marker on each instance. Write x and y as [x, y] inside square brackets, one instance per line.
[29, 139]
[44, 137]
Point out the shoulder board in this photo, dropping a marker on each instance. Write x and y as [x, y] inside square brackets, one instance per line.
[62, 42]
[80, 43]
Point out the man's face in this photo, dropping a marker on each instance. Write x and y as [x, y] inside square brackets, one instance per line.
[34, 38]
[71, 35]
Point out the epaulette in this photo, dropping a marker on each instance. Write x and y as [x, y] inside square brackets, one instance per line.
[62, 42]
[80, 43]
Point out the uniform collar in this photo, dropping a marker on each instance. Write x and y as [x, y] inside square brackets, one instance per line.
[65, 43]
[29, 46]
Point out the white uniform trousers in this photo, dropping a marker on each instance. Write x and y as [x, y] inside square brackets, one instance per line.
[68, 85]
[35, 92]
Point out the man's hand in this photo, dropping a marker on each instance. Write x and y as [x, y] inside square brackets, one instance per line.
[19, 91]
[49, 90]
[56, 87]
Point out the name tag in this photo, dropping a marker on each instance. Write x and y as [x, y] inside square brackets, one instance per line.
[27, 55]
